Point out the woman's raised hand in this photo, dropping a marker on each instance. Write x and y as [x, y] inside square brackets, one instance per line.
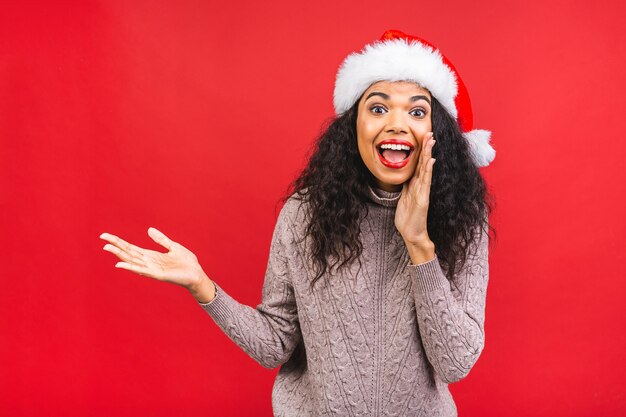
[412, 209]
[178, 266]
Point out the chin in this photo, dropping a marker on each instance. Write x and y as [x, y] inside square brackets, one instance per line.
[389, 183]
[392, 180]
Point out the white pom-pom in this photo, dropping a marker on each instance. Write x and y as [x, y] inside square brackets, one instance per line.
[482, 152]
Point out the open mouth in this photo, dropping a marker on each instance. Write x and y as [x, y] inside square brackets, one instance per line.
[394, 155]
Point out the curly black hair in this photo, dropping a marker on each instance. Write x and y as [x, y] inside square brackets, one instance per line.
[334, 184]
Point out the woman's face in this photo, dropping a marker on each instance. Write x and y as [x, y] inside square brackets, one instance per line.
[397, 113]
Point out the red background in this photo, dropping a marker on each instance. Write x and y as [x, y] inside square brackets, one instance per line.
[193, 117]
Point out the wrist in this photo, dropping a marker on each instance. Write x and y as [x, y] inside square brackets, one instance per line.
[203, 290]
[422, 242]
[421, 252]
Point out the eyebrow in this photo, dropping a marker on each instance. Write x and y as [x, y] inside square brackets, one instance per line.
[386, 97]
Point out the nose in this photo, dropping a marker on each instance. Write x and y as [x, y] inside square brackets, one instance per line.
[396, 123]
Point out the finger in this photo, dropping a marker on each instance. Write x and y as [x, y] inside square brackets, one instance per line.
[422, 156]
[428, 175]
[160, 238]
[133, 268]
[135, 252]
[117, 252]
[123, 255]
[425, 189]
[427, 155]
[423, 195]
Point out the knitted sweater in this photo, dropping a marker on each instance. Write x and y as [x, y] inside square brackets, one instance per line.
[384, 340]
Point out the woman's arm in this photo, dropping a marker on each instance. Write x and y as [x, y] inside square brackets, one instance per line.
[270, 332]
[451, 323]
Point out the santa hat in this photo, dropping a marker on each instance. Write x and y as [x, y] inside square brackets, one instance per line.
[401, 57]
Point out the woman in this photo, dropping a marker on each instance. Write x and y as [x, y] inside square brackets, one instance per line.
[374, 295]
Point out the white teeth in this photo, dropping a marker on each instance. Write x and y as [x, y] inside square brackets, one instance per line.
[395, 147]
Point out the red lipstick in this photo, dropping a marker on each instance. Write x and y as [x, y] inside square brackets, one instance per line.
[395, 165]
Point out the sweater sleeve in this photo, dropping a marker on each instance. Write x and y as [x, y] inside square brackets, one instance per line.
[452, 322]
[270, 332]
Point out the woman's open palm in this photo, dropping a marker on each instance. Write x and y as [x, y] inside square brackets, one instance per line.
[412, 209]
[178, 266]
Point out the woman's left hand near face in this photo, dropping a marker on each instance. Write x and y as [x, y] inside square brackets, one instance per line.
[412, 209]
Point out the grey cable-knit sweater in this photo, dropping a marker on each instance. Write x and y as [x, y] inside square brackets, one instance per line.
[382, 341]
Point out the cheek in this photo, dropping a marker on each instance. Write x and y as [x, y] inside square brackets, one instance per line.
[366, 136]
[361, 141]
[419, 134]
[425, 126]
[367, 127]
[420, 130]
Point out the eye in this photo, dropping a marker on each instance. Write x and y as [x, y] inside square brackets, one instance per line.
[419, 112]
[378, 109]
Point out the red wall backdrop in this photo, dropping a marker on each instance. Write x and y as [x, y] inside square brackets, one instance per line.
[120, 115]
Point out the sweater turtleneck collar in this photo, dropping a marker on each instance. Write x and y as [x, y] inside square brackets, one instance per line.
[382, 197]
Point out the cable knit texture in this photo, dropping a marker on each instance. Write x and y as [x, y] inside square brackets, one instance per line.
[385, 340]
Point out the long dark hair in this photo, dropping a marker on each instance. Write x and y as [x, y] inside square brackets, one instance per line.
[334, 185]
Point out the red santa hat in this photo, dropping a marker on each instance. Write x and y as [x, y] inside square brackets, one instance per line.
[401, 57]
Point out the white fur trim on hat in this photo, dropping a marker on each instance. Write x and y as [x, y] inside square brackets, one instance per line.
[394, 60]
[482, 152]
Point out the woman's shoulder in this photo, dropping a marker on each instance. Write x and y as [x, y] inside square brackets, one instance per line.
[295, 209]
